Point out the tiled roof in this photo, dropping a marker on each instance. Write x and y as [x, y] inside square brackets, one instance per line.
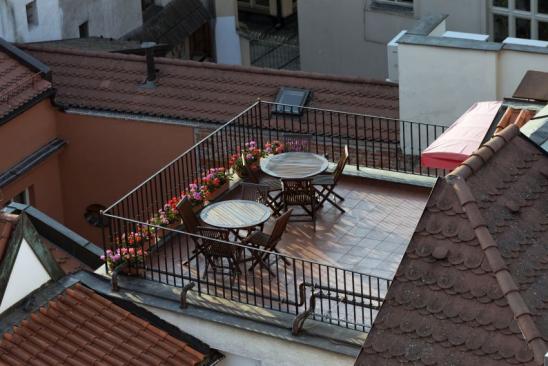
[80, 327]
[19, 84]
[173, 24]
[517, 116]
[472, 288]
[8, 224]
[197, 91]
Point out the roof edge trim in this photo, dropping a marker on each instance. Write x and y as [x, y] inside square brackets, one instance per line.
[26, 59]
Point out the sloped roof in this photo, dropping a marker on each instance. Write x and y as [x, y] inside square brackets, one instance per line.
[80, 327]
[173, 24]
[197, 91]
[472, 288]
[20, 85]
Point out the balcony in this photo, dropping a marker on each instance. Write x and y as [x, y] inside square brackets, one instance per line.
[338, 274]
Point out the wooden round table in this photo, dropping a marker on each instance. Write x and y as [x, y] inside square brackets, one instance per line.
[294, 165]
[235, 214]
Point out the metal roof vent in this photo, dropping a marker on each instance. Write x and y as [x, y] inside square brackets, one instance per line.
[149, 82]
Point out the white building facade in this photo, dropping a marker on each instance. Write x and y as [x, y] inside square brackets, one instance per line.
[349, 37]
[46, 20]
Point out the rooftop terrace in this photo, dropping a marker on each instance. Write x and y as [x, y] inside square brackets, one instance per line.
[338, 274]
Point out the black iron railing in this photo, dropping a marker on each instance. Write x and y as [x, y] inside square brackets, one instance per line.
[294, 285]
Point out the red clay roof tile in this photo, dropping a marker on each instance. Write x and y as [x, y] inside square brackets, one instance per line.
[495, 276]
[18, 84]
[190, 90]
[81, 327]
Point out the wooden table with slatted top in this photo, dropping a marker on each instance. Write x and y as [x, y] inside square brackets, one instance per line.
[235, 214]
[294, 165]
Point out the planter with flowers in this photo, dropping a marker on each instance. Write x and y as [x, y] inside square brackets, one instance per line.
[215, 183]
[274, 148]
[252, 155]
[126, 260]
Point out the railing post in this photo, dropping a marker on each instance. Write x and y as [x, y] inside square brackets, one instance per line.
[260, 122]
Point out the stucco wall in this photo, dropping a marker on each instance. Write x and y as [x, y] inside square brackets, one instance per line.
[438, 84]
[26, 133]
[108, 18]
[512, 67]
[14, 27]
[59, 19]
[252, 349]
[107, 157]
[20, 137]
[348, 37]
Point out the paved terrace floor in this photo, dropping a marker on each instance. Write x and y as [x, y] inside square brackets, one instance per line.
[371, 237]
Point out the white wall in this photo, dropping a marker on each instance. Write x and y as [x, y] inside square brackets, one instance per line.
[107, 18]
[512, 68]
[348, 37]
[27, 275]
[438, 84]
[14, 27]
[59, 19]
[250, 348]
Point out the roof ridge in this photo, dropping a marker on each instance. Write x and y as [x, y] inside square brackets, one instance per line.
[490, 248]
[485, 152]
[210, 65]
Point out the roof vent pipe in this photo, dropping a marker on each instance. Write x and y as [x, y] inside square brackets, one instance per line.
[151, 67]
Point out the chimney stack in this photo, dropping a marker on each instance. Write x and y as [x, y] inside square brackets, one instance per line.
[151, 67]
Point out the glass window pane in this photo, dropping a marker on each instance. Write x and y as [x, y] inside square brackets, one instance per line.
[500, 27]
[523, 5]
[523, 28]
[542, 6]
[543, 31]
[500, 3]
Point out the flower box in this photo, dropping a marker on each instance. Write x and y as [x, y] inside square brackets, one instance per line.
[212, 196]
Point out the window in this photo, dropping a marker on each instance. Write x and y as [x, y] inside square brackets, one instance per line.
[519, 18]
[294, 98]
[32, 14]
[83, 30]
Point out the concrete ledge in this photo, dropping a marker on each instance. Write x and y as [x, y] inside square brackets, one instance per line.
[388, 176]
[230, 313]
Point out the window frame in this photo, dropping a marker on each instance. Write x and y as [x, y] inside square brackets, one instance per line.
[32, 20]
[512, 14]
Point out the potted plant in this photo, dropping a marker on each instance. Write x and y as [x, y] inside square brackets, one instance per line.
[168, 215]
[252, 155]
[275, 147]
[195, 195]
[215, 183]
[127, 260]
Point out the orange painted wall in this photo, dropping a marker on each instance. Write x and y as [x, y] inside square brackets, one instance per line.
[105, 158]
[22, 136]
[26, 133]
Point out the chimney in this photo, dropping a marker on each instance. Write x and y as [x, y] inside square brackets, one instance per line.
[151, 67]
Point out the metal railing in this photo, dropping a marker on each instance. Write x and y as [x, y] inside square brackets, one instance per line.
[342, 297]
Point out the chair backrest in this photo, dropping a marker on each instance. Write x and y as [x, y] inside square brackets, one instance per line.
[337, 173]
[254, 192]
[279, 228]
[251, 176]
[297, 142]
[298, 191]
[190, 221]
[212, 242]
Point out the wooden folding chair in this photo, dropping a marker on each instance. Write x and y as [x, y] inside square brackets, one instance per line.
[261, 240]
[300, 192]
[328, 182]
[191, 224]
[216, 250]
[273, 185]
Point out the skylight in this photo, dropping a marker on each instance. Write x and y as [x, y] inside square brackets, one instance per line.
[294, 99]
